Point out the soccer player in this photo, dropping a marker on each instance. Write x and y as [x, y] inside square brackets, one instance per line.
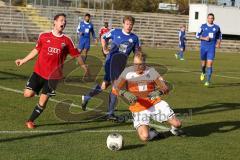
[102, 31]
[210, 36]
[123, 43]
[84, 29]
[142, 86]
[181, 40]
[51, 51]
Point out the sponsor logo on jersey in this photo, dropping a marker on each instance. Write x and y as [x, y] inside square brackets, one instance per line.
[63, 45]
[52, 50]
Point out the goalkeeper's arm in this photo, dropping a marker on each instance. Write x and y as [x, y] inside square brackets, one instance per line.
[161, 85]
[119, 85]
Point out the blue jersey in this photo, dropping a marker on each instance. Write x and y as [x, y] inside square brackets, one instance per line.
[85, 29]
[182, 38]
[121, 47]
[122, 42]
[212, 31]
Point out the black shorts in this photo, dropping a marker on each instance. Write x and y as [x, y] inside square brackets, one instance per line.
[37, 83]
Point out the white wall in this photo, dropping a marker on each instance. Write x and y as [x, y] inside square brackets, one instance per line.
[228, 18]
[194, 24]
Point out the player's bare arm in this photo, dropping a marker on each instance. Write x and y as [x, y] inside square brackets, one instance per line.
[29, 57]
[161, 85]
[218, 45]
[204, 38]
[83, 65]
[104, 46]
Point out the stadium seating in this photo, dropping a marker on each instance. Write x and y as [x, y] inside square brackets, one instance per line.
[154, 29]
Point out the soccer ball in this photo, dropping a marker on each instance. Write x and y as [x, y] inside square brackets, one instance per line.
[115, 141]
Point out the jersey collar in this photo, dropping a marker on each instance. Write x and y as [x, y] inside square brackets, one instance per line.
[85, 22]
[125, 32]
[56, 35]
[210, 25]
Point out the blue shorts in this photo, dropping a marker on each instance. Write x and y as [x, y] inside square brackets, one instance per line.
[182, 45]
[84, 43]
[114, 66]
[207, 53]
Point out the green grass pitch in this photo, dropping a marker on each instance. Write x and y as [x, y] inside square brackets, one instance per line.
[210, 115]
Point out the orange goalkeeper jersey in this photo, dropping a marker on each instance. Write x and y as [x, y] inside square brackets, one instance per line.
[141, 85]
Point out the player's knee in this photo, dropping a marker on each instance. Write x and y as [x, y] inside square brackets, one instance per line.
[144, 136]
[177, 123]
[28, 94]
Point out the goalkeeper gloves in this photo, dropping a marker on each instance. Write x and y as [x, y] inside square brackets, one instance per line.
[155, 94]
[129, 96]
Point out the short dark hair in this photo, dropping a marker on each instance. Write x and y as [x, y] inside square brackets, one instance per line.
[129, 18]
[58, 15]
[87, 15]
[141, 55]
[210, 14]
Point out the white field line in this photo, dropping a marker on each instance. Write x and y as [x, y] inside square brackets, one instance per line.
[217, 75]
[50, 99]
[160, 128]
[60, 131]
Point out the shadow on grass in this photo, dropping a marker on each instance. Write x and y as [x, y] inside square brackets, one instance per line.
[207, 129]
[132, 146]
[210, 108]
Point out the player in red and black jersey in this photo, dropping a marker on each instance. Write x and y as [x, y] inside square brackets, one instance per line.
[51, 50]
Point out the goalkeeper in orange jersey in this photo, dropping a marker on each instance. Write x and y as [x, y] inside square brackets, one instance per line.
[142, 86]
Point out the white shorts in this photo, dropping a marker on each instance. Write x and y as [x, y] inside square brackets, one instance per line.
[160, 112]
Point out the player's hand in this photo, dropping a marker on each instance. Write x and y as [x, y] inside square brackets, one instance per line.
[129, 96]
[218, 45]
[19, 62]
[207, 38]
[155, 94]
[96, 41]
[86, 70]
[106, 50]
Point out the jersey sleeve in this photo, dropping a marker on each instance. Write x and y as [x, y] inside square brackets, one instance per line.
[154, 74]
[199, 32]
[39, 43]
[219, 34]
[124, 73]
[109, 35]
[72, 50]
[78, 28]
[93, 32]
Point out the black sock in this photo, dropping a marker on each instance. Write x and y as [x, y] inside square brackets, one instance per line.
[203, 69]
[36, 112]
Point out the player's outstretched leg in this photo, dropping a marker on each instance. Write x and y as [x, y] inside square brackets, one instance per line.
[37, 111]
[85, 98]
[111, 107]
[147, 134]
[176, 126]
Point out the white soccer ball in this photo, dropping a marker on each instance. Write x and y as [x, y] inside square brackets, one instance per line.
[115, 141]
